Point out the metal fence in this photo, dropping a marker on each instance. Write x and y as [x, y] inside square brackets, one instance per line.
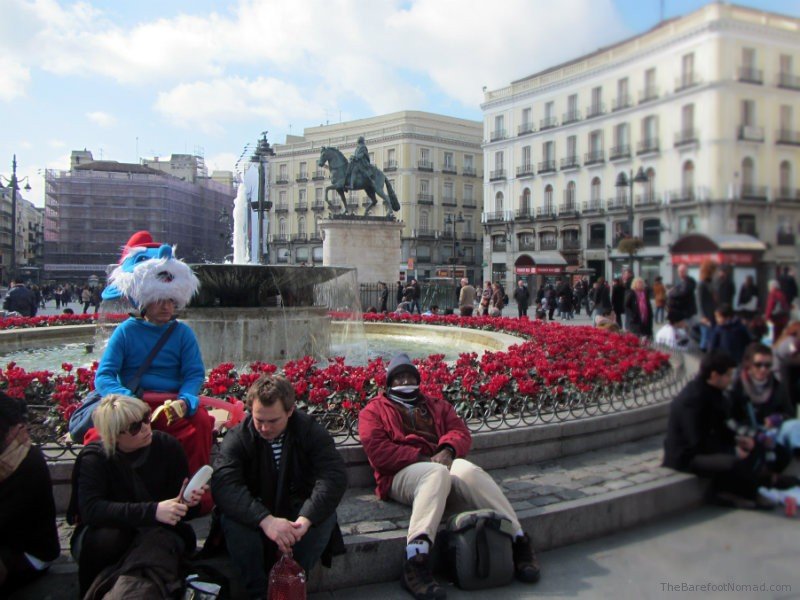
[441, 293]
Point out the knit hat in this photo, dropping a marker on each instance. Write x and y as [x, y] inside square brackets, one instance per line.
[401, 363]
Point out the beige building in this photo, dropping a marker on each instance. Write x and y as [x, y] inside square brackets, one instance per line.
[30, 237]
[434, 164]
[701, 112]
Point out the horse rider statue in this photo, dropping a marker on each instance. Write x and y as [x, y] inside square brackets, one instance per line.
[359, 163]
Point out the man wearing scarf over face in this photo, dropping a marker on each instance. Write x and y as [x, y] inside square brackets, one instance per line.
[417, 447]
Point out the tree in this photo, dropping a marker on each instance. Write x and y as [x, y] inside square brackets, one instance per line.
[630, 246]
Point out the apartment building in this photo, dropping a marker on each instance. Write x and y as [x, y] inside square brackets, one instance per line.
[92, 209]
[29, 233]
[433, 162]
[690, 127]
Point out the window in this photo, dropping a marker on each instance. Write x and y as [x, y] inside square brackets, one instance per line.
[748, 112]
[651, 232]
[596, 141]
[282, 172]
[423, 220]
[650, 82]
[526, 201]
[449, 163]
[547, 240]
[650, 128]
[526, 156]
[498, 127]
[650, 185]
[549, 110]
[785, 178]
[282, 228]
[786, 119]
[301, 226]
[572, 103]
[596, 191]
[468, 197]
[424, 186]
[498, 161]
[597, 101]
[318, 195]
[687, 180]
[746, 224]
[749, 58]
[301, 195]
[498, 202]
[621, 136]
[572, 146]
[282, 198]
[424, 253]
[622, 230]
[622, 91]
[748, 174]
[447, 189]
[549, 151]
[687, 69]
[687, 224]
[785, 231]
[526, 241]
[597, 235]
[687, 118]
[548, 198]
[569, 196]
[468, 161]
[526, 117]
[391, 156]
[786, 64]
[303, 170]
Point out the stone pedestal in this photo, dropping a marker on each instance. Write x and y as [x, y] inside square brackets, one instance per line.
[371, 246]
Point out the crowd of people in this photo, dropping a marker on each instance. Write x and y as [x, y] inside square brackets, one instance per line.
[26, 299]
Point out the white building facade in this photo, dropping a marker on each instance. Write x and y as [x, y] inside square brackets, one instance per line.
[691, 127]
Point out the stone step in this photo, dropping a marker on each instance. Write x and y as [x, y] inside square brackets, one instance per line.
[560, 502]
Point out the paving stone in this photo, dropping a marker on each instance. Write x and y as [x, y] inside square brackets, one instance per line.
[519, 485]
[593, 490]
[566, 494]
[522, 505]
[589, 481]
[373, 526]
[545, 500]
[643, 477]
[615, 474]
[618, 484]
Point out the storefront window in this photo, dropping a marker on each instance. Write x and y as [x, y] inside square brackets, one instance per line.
[649, 269]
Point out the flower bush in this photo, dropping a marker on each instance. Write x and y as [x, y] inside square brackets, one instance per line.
[56, 320]
[551, 361]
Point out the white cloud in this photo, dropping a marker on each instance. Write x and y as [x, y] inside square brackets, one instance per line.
[206, 104]
[103, 119]
[15, 79]
[56, 143]
[224, 161]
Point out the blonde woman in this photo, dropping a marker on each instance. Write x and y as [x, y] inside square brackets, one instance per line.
[129, 480]
[638, 312]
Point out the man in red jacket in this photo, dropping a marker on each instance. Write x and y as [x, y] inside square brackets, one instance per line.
[416, 446]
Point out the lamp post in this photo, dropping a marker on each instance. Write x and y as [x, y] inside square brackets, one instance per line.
[627, 181]
[450, 220]
[263, 150]
[13, 183]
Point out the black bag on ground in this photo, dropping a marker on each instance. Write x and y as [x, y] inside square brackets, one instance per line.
[478, 549]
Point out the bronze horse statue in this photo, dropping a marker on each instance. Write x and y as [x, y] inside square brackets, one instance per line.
[371, 184]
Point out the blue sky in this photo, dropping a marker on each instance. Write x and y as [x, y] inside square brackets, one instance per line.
[150, 78]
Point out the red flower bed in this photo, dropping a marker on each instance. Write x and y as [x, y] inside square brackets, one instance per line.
[55, 320]
[550, 360]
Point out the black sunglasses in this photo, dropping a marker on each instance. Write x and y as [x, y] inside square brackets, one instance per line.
[762, 365]
[135, 427]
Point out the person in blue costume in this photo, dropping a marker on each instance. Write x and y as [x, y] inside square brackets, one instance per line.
[158, 284]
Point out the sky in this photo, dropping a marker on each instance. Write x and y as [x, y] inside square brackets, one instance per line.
[131, 80]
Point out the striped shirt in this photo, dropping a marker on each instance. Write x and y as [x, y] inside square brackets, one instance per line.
[277, 448]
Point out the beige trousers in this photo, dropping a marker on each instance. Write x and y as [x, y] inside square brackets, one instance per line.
[428, 487]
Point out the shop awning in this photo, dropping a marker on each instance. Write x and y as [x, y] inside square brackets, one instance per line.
[540, 263]
[728, 249]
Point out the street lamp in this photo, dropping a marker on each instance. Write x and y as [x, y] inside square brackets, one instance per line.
[263, 150]
[13, 183]
[450, 220]
[627, 181]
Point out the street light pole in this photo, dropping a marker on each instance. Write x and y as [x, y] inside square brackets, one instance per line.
[14, 185]
[263, 150]
[627, 181]
[452, 221]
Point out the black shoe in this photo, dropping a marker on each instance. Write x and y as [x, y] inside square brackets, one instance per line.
[526, 565]
[418, 579]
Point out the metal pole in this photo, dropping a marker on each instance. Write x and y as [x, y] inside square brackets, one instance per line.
[453, 258]
[13, 269]
[261, 178]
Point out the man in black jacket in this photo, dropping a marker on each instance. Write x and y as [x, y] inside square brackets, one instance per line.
[20, 299]
[278, 481]
[699, 439]
[522, 298]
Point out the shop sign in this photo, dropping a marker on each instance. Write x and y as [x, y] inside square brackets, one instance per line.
[539, 270]
[722, 258]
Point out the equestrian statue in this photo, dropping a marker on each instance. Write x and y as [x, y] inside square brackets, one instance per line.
[357, 174]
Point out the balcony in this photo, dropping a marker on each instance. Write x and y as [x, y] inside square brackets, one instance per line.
[425, 198]
[754, 192]
[449, 201]
[525, 171]
[621, 102]
[523, 214]
[568, 209]
[299, 237]
[787, 136]
[787, 194]
[617, 204]
[526, 244]
[546, 212]
[648, 94]
[281, 208]
[499, 244]
[318, 175]
[647, 146]
[389, 165]
[593, 158]
[788, 81]
[620, 152]
[686, 81]
[468, 236]
[596, 244]
[525, 128]
[498, 215]
[302, 177]
[280, 238]
[751, 75]
[315, 236]
[751, 133]
[570, 244]
[469, 203]
[548, 244]
[497, 134]
[497, 175]
[596, 110]
[449, 168]
[318, 205]
[300, 206]
[685, 137]
[652, 239]
[646, 200]
[425, 233]
[570, 162]
[469, 171]
[548, 123]
[593, 206]
[682, 195]
[425, 165]
[281, 179]
[572, 116]
[547, 166]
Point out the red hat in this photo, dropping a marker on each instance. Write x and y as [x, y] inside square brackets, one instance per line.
[140, 239]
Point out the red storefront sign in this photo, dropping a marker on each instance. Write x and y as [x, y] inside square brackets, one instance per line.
[722, 258]
[539, 270]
